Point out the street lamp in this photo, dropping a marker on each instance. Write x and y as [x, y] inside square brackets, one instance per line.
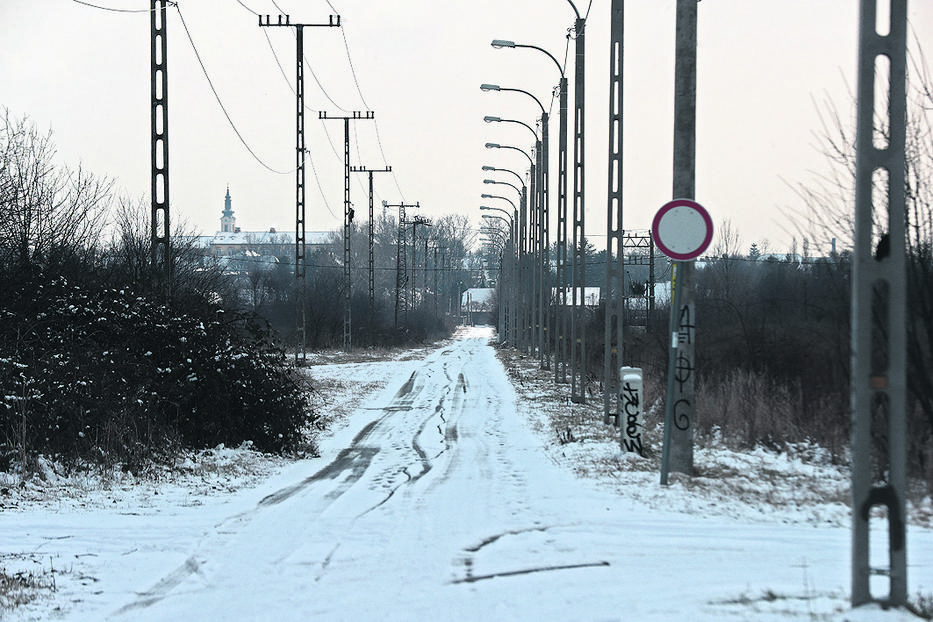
[560, 343]
[496, 196]
[539, 229]
[491, 119]
[522, 151]
[504, 183]
[495, 87]
[497, 209]
[508, 322]
[505, 170]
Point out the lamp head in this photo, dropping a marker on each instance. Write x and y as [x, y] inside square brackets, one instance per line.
[486, 167]
[502, 43]
[489, 119]
[489, 87]
[492, 145]
[487, 196]
[490, 181]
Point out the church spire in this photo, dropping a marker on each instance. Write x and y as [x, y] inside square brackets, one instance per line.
[227, 220]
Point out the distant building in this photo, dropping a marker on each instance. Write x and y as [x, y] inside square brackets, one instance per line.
[587, 296]
[233, 244]
[477, 299]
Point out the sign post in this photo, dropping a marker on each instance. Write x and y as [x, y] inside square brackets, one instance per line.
[682, 230]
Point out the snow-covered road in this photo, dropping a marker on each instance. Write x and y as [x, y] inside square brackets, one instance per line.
[437, 502]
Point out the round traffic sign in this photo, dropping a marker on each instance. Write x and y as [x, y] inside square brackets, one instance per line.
[682, 229]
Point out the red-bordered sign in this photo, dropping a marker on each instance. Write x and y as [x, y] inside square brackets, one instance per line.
[682, 229]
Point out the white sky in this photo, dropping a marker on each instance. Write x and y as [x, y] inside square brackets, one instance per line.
[763, 68]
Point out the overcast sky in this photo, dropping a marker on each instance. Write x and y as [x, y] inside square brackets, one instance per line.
[764, 68]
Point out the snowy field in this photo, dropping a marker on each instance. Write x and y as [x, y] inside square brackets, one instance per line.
[449, 486]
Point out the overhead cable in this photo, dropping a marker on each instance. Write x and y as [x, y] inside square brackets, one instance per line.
[220, 102]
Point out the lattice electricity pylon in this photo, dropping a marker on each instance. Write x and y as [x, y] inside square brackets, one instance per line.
[879, 303]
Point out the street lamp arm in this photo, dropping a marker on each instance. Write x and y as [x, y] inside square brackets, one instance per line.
[537, 101]
[504, 183]
[496, 196]
[501, 43]
[505, 170]
[521, 151]
[495, 87]
[498, 209]
[489, 119]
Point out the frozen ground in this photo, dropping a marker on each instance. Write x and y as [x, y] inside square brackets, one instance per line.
[443, 493]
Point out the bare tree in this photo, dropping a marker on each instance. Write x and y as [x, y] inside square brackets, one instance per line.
[48, 212]
[827, 212]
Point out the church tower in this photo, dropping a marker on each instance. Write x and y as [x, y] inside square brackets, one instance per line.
[227, 220]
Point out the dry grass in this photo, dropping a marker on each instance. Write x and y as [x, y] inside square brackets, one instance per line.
[801, 479]
[30, 582]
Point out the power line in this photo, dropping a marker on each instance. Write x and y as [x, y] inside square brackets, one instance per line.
[220, 103]
[304, 59]
[327, 95]
[317, 180]
[112, 10]
[346, 45]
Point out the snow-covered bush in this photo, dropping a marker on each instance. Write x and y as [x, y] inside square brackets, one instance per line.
[97, 373]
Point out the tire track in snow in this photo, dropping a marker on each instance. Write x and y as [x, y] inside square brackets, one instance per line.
[354, 460]
[378, 441]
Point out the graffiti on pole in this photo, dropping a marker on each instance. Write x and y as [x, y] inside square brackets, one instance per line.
[632, 420]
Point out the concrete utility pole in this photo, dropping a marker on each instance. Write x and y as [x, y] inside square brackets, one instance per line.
[615, 251]
[578, 260]
[348, 215]
[160, 243]
[372, 238]
[680, 420]
[544, 264]
[560, 316]
[300, 247]
[879, 304]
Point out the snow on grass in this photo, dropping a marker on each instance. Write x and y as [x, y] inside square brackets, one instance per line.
[799, 484]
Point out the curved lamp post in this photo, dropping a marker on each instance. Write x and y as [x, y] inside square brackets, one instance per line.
[521, 151]
[560, 342]
[491, 119]
[505, 183]
[508, 323]
[505, 170]
[541, 221]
